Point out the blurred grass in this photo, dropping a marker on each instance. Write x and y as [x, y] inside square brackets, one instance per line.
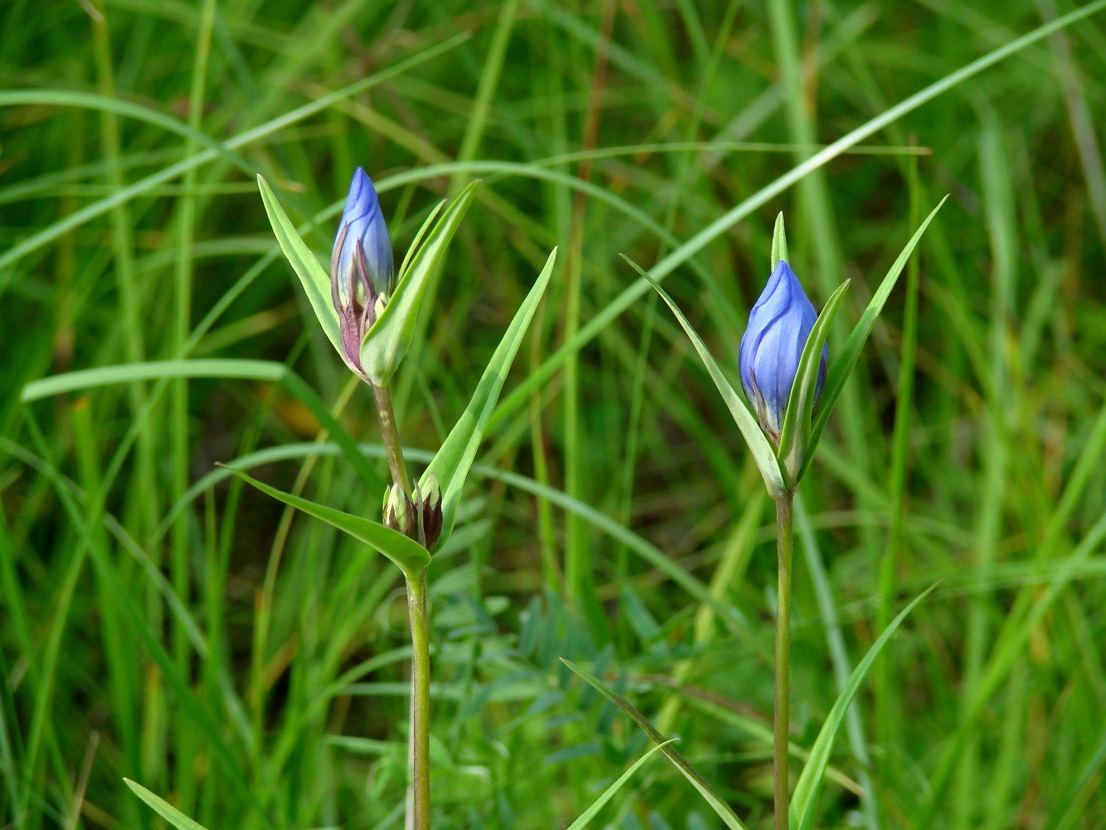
[160, 623]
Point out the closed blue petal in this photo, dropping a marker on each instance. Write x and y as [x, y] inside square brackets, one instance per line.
[768, 360]
[363, 223]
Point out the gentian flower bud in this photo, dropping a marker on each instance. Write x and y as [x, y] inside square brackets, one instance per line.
[362, 271]
[418, 517]
[768, 359]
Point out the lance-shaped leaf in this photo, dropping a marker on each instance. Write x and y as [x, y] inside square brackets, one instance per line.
[746, 422]
[313, 277]
[407, 554]
[388, 339]
[795, 443]
[849, 353]
[453, 460]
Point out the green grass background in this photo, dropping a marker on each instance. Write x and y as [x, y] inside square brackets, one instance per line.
[162, 623]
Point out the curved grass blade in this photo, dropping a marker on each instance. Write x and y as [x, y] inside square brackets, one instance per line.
[387, 340]
[843, 364]
[805, 798]
[585, 817]
[750, 429]
[163, 808]
[407, 554]
[452, 462]
[795, 443]
[717, 803]
[313, 276]
[261, 370]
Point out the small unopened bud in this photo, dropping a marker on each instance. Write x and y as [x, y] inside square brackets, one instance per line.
[430, 511]
[397, 510]
[779, 326]
[361, 267]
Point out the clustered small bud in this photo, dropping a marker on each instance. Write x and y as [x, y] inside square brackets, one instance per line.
[418, 517]
[772, 345]
[361, 268]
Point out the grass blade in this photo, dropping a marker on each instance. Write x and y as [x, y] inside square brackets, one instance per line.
[805, 798]
[585, 817]
[717, 803]
[163, 808]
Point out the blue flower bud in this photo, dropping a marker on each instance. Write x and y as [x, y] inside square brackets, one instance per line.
[362, 271]
[772, 345]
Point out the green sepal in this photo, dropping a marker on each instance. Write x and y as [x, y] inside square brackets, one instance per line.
[407, 554]
[779, 243]
[386, 342]
[795, 442]
[849, 354]
[313, 276]
[453, 460]
[762, 451]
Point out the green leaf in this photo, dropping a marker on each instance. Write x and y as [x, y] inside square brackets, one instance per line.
[779, 242]
[453, 460]
[795, 443]
[585, 817]
[409, 555]
[313, 277]
[163, 808]
[386, 342]
[762, 451]
[717, 803]
[843, 364]
[805, 798]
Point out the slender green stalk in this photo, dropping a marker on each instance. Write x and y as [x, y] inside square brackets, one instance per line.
[418, 757]
[389, 434]
[784, 547]
[418, 793]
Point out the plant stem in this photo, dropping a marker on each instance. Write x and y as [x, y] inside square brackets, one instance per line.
[418, 753]
[389, 433]
[418, 793]
[784, 547]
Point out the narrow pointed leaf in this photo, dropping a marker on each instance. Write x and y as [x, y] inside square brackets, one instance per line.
[846, 359]
[409, 555]
[805, 798]
[313, 276]
[163, 808]
[795, 435]
[453, 460]
[386, 342]
[585, 817]
[762, 451]
[779, 243]
[717, 803]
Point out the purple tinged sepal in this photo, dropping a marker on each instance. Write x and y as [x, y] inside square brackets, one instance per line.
[772, 345]
[418, 517]
[362, 271]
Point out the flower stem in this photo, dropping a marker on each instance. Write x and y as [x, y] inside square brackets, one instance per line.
[418, 754]
[418, 793]
[389, 433]
[784, 547]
